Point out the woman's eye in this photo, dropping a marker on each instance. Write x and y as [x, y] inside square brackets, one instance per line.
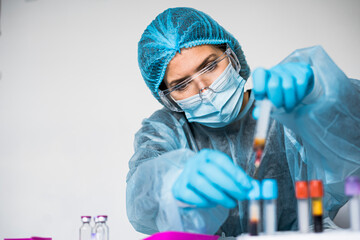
[181, 87]
[212, 66]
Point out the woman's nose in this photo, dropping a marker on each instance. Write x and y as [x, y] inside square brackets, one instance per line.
[202, 84]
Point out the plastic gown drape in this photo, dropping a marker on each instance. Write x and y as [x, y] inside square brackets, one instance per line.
[320, 139]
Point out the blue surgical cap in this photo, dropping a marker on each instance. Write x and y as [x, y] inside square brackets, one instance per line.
[178, 28]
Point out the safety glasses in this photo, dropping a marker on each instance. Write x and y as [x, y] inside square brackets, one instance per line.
[211, 72]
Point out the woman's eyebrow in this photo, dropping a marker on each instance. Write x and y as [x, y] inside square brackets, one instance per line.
[201, 66]
[206, 60]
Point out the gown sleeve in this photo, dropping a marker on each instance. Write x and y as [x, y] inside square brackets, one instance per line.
[328, 123]
[161, 149]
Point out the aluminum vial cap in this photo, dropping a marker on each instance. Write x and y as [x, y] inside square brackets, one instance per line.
[352, 186]
[316, 189]
[301, 189]
[102, 218]
[86, 219]
[269, 189]
[254, 193]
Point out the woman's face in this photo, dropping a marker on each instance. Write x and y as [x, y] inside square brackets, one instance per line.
[189, 62]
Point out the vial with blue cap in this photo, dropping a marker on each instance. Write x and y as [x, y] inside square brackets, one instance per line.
[254, 197]
[269, 191]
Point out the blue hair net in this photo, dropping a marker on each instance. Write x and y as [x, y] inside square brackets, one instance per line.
[178, 28]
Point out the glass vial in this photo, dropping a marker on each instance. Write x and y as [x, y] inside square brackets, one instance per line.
[85, 229]
[102, 230]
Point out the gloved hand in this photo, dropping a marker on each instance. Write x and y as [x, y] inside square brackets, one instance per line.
[285, 85]
[209, 178]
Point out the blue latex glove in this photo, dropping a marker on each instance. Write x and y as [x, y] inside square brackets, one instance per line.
[209, 178]
[285, 85]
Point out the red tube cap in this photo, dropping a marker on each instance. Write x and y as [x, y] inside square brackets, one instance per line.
[316, 189]
[301, 189]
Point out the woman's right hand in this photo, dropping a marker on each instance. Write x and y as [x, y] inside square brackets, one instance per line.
[210, 178]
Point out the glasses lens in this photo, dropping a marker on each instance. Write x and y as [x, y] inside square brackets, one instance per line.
[169, 102]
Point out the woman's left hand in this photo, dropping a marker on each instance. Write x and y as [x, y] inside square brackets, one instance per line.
[285, 85]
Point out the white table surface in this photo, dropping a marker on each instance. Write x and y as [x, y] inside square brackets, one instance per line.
[327, 235]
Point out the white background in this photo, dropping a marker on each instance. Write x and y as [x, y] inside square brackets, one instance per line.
[72, 97]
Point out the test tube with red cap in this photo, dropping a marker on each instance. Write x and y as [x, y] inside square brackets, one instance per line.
[316, 194]
[352, 189]
[302, 195]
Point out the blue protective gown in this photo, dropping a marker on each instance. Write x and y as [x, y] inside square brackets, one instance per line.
[320, 139]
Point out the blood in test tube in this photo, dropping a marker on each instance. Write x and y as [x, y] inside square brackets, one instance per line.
[254, 208]
[262, 125]
[258, 154]
[316, 194]
[302, 196]
[352, 189]
[269, 192]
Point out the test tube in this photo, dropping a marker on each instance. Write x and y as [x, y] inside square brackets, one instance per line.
[316, 194]
[302, 195]
[269, 193]
[254, 208]
[352, 189]
[261, 130]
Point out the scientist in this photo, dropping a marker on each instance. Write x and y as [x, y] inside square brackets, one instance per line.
[193, 160]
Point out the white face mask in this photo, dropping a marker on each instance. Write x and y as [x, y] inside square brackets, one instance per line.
[220, 104]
